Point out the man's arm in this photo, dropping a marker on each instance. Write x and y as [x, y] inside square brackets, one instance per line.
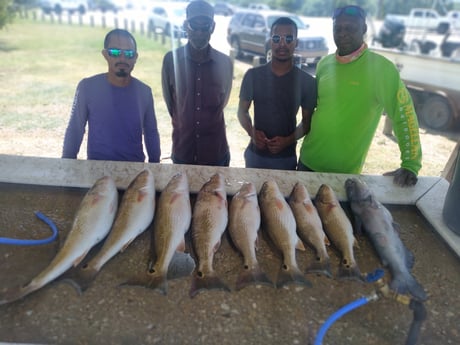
[76, 126]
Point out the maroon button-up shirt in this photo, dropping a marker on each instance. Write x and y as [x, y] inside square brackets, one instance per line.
[196, 95]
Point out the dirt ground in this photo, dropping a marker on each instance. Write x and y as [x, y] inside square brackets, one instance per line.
[109, 314]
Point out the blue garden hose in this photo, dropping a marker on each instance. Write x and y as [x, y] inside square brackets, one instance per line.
[20, 242]
[370, 278]
[337, 315]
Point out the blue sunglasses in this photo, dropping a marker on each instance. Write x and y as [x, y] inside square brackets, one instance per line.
[115, 52]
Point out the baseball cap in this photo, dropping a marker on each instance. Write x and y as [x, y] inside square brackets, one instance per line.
[199, 8]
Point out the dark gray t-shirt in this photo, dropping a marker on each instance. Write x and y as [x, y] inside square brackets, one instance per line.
[276, 101]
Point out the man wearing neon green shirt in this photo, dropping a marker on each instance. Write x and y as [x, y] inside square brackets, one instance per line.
[355, 86]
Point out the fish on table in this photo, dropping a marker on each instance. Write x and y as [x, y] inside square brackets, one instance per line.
[135, 214]
[339, 230]
[209, 221]
[377, 222]
[171, 223]
[279, 222]
[91, 224]
[243, 227]
[310, 229]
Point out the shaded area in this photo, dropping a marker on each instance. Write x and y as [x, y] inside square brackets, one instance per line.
[107, 313]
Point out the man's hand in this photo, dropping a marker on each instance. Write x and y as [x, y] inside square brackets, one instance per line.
[402, 177]
[259, 139]
[277, 144]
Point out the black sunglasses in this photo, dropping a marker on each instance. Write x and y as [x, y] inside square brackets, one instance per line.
[115, 52]
[199, 27]
[277, 39]
[354, 11]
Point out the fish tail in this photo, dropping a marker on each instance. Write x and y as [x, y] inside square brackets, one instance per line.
[252, 276]
[206, 282]
[320, 266]
[154, 281]
[16, 293]
[291, 275]
[407, 284]
[81, 279]
[349, 272]
[181, 265]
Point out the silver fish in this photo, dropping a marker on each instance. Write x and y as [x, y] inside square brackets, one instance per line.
[209, 220]
[135, 213]
[91, 224]
[378, 223]
[310, 228]
[339, 230]
[279, 222]
[172, 221]
[243, 226]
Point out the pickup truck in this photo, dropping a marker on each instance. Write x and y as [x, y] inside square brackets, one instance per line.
[423, 18]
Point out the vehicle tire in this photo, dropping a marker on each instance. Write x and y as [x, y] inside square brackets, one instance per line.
[442, 28]
[237, 48]
[436, 113]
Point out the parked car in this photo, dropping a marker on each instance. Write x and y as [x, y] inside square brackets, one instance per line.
[423, 18]
[168, 17]
[107, 5]
[249, 33]
[224, 9]
[59, 6]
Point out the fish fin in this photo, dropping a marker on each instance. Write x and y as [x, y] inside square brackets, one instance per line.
[349, 272]
[216, 247]
[397, 227]
[181, 265]
[151, 280]
[292, 275]
[320, 266]
[80, 259]
[206, 282]
[407, 284]
[355, 243]
[181, 247]
[252, 276]
[299, 245]
[126, 245]
[81, 279]
[327, 242]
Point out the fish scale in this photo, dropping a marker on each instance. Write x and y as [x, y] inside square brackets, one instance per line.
[279, 222]
[209, 220]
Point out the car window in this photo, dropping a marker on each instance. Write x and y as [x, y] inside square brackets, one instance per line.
[259, 22]
[248, 20]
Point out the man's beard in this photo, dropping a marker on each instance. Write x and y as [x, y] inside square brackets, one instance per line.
[121, 73]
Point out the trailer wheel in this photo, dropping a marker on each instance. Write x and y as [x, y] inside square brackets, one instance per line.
[436, 113]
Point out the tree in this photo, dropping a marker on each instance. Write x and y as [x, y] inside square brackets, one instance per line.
[6, 12]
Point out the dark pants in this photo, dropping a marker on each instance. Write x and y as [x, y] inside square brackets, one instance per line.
[253, 160]
[225, 162]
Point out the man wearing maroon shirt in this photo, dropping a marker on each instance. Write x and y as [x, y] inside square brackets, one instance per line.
[197, 81]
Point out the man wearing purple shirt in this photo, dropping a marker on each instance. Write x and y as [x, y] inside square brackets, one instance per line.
[197, 81]
[117, 107]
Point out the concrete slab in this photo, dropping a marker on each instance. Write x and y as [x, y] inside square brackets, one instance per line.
[428, 195]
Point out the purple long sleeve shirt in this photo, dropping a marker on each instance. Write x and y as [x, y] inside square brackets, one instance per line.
[117, 117]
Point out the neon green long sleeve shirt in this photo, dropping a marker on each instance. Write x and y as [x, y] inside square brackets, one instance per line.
[351, 99]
